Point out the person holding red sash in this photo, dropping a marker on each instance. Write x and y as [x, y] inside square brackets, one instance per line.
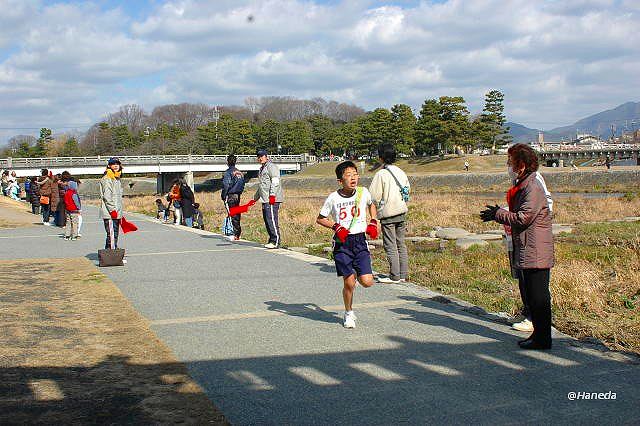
[533, 256]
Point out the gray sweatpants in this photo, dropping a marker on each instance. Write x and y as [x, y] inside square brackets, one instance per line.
[71, 228]
[393, 241]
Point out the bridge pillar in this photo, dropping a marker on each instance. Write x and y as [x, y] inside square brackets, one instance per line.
[165, 180]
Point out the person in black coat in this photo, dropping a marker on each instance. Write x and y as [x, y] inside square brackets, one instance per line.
[188, 198]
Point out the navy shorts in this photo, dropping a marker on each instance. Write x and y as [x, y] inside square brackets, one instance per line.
[352, 256]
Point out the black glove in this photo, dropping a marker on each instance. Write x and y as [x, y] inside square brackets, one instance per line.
[489, 214]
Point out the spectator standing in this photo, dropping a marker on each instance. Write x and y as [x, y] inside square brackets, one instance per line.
[45, 183]
[188, 199]
[176, 201]
[271, 196]
[529, 218]
[72, 210]
[198, 219]
[34, 193]
[389, 190]
[111, 201]
[232, 188]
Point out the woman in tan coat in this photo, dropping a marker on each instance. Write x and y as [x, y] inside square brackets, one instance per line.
[530, 221]
[46, 189]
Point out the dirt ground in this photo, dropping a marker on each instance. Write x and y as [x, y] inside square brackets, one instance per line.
[14, 214]
[73, 350]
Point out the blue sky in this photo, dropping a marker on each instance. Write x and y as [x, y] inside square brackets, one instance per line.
[554, 60]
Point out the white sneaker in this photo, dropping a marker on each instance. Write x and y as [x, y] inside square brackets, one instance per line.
[270, 246]
[230, 237]
[388, 280]
[46, 223]
[349, 319]
[524, 325]
[124, 261]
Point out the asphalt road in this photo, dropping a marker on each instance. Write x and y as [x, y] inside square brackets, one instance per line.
[261, 332]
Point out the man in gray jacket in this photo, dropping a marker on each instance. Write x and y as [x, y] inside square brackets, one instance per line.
[270, 195]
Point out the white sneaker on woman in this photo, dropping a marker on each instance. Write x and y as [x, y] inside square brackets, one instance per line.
[524, 325]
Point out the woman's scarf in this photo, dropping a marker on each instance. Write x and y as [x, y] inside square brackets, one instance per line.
[113, 175]
[511, 193]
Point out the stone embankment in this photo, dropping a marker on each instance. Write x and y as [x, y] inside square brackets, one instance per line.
[580, 181]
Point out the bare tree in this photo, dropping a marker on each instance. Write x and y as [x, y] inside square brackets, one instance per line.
[130, 115]
[186, 116]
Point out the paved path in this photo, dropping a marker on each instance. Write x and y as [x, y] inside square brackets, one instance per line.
[260, 331]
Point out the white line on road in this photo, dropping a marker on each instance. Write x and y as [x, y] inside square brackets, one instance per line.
[265, 314]
[191, 251]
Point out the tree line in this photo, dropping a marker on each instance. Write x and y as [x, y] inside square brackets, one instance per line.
[282, 125]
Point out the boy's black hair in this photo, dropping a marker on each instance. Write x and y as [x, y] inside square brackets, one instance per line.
[231, 160]
[44, 172]
[196, 205]
[344, 166]
[158, 201]
[387, 152]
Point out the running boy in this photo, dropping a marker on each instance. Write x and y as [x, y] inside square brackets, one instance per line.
[345, 211]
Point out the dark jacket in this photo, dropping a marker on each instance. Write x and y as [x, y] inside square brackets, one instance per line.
[530, 221]
[232, 182]
[34, 192]
[187, 200]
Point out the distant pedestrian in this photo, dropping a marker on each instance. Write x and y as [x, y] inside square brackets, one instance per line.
[466, 166]
[111, 201]
[72, 210]
[345, 211]
[607, 162]
[533, 255]
[232, 189]
[188, 199]
[271, 196]
[390, 190]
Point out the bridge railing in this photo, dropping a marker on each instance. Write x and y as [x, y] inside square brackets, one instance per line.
[61, 162]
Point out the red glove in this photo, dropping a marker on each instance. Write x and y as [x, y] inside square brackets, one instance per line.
[341, 232]
[251, 203]
[372, 229]
[113, 214]
[272, 199]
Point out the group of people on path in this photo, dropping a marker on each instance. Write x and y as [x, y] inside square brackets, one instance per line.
[181, 204]
[53, 197]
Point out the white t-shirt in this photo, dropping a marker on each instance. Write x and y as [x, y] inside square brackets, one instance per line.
[342, 209]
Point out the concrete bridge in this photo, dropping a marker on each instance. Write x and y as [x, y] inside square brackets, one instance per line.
[576, 153]
[166, 167]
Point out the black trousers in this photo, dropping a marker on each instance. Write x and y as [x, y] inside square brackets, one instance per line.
[526, 312]
[112, 226]
[270, 217]
[232, 201]
[538, 298]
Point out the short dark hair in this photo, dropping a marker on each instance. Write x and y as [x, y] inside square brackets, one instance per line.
[340, 168]
[196, 205]
[387, 152]
[43, 172]
[65, 176]
[231, 160]
[522, 154]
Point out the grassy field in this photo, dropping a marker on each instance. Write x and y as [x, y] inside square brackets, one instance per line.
[595, 285]
[416, 166]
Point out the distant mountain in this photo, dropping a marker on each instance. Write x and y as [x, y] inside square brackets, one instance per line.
[624, 117]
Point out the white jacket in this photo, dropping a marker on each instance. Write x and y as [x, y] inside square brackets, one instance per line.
[385, 192]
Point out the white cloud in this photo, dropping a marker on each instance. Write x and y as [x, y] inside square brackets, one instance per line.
[555, 61]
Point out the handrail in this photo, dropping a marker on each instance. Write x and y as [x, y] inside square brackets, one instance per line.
[144, 159]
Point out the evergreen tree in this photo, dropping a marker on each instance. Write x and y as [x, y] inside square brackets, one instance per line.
[492, 129]
[376, 128]
[321, 130]
[454, 118]
[296, 138]
[403, 128]
[42, 145]
[429, 131]
[70, 148]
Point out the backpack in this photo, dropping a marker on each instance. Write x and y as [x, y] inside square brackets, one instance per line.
[69, 204]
